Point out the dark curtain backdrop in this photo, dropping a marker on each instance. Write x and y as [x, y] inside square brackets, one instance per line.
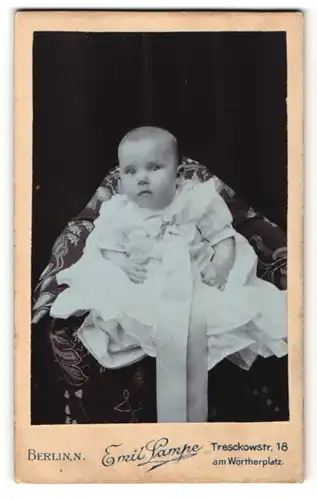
[222, 94]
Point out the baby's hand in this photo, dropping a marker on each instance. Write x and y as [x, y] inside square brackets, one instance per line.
[135, 269]
[214, 275]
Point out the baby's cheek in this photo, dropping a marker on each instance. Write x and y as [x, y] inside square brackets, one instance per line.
[127, 187]
[167, 188]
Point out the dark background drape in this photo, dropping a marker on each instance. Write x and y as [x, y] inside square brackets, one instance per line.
[222, 94]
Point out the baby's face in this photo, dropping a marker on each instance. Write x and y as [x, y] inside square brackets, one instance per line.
[148, 169]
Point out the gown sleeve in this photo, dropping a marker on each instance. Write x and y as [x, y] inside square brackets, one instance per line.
[107, 233]
[215, 225]
[87, 275]
[214, 217]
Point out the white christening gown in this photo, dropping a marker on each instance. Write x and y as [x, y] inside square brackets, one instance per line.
[128, 321]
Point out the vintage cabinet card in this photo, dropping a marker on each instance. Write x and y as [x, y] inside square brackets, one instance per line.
[158, 246]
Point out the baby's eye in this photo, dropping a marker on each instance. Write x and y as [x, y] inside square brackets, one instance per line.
[130, 171]
[155, 167]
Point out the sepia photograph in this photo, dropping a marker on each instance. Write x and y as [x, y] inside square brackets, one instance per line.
[158, 247]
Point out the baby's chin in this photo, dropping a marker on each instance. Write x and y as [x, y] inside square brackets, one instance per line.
[146, 203]
[149, 202]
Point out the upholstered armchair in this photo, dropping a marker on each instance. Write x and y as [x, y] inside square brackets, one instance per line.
[93, 394]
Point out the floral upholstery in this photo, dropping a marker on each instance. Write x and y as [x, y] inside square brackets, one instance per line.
[95, 394]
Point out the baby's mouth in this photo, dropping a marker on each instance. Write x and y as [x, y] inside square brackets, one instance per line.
[145, 191]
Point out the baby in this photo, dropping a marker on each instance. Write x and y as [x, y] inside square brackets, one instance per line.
[165, 274]
[148, 160]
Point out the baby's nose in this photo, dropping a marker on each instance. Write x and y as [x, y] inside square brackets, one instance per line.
[143, 179]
